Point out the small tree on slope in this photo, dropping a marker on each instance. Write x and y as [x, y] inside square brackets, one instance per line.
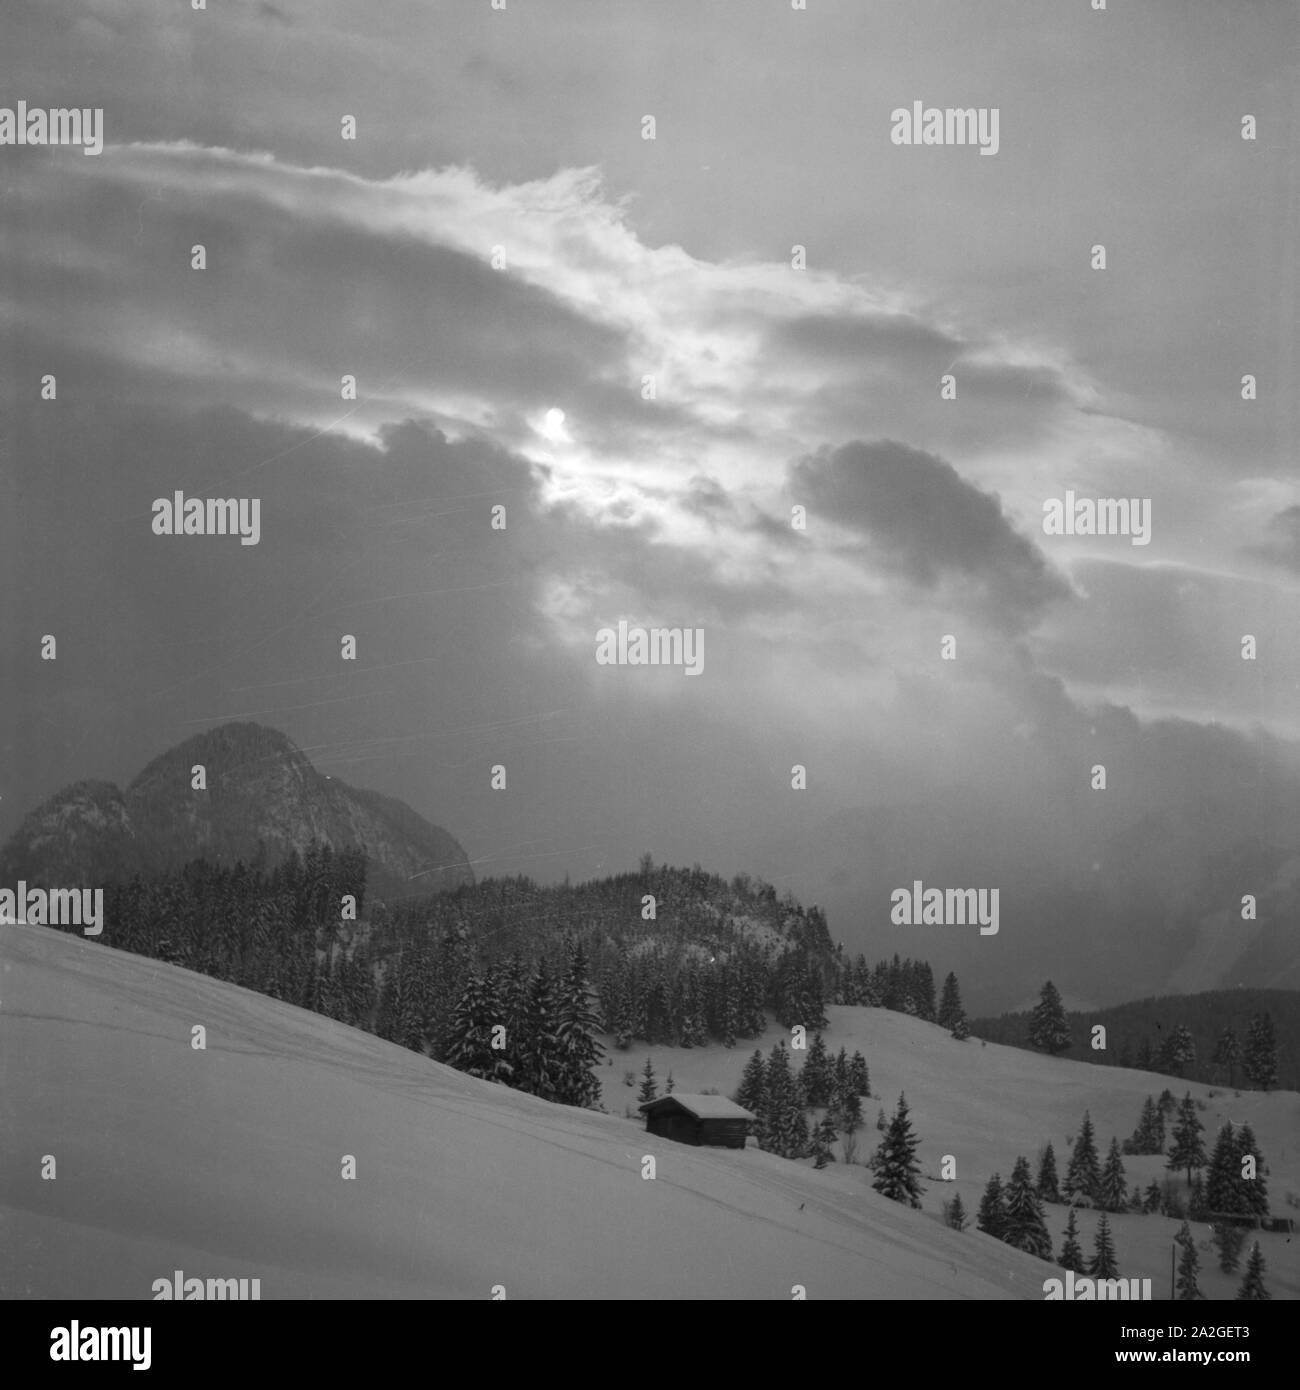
[1048, 1184]
[1252, 1286]
[1071, 1256]
[1112, 1192]
[1048, 1029]
[1025, 1228]
[896, 1166]
[1189, 1265]
[1083, 1177]
[991, 1218]
[1103, 1264]
[1187, 1150]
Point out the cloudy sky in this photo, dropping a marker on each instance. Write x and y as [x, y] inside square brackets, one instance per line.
[517, 135]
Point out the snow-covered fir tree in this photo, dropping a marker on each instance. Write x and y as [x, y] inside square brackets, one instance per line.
[1048, 1030]
[817, 1075]
[1227, 1055]
[1024, 1226]
[954, 1213]
[577, 1024]
[540, 1069]
[1189, 1265]
[752, 1091]
[823, 1142]
[897, 1171]
[991, 1218]
[1252, 1288]
[1083, 1175]
[1103, 1264]
[1112, 1191]
[1261, 1052]
[950, 1009]
[1071, 1257]
[1187, 1150]
[1048, 1184]
[468, 1035]
[1252, 1192]
[649, 1090]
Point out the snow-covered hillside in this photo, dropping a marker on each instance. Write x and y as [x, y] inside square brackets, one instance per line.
[985, 1104]
[227, 1162]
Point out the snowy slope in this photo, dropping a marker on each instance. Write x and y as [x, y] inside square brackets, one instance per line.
[226, 1163]
[985, 1104]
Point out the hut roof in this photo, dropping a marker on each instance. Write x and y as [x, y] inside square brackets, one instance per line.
[702, 1107]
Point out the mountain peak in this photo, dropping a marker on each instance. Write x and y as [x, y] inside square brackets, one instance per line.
[259, 795]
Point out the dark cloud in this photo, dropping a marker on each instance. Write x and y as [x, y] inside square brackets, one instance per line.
[925, 522]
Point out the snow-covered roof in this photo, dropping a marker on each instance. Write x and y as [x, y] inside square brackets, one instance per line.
[704, 1107]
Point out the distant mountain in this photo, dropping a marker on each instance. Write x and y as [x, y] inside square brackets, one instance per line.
[263, 797]
[1206, 1015]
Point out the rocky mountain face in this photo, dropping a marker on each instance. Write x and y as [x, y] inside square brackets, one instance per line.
[263, 796]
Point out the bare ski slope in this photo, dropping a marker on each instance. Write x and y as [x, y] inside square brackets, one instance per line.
[227, 1162]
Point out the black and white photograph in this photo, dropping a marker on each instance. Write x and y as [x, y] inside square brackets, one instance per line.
[650, 651]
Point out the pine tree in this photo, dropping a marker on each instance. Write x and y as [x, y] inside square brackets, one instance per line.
[840, 1075]
[1048, 1029]
[1187, 1151]
[1227, 1054]
[1152, 1198]
[950, 1009]
[1229, 1240]
[1196, 1208]
[1071, 1257]
[954, 1213]
[1103, 1264]
[1083, 1176]
[1252, 1193]
[824, 1137]
[1252, 1288]
[859, 1078]
[1112, 1192]
[1261, 1052]
[780, 1101]
[1024, 1226]
[817, 1075]
[752, 1090]
[991, 1218]
[961, 1029]
[881, 1120]
[541, 1066]
[1178, 1051]
[896, 1165]
[580, 1051]
[1048, 1184]
[649, 1091]
[468, 1035]
[1189, 1265]
[1221, 1193]
[669, 1084]
[1149, 1137]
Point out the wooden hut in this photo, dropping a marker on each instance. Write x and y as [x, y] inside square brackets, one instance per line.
[712, 1120]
